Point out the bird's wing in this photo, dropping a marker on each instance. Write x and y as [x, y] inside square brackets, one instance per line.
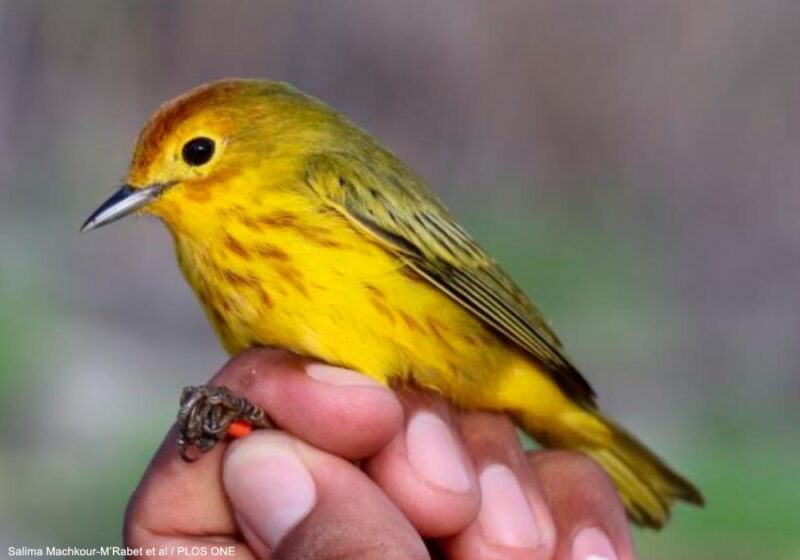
[384, 199]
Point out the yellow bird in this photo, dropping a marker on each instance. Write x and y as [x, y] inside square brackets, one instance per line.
[297, 229]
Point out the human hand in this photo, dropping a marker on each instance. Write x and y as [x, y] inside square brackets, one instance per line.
[459, 480]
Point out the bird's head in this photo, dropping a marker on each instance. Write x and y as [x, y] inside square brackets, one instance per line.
[217, 144]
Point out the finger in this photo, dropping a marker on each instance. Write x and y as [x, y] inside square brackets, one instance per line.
[331, 408]
[588, 513]
[426, 470]
[298, 502]
[181, 505]
[176, 498]
[513, 521]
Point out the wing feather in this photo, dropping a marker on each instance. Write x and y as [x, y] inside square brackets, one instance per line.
[389, 202]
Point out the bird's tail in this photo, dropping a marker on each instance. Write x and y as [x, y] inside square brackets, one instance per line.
[648, 486]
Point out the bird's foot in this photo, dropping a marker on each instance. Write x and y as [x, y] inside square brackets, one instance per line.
[209, 414]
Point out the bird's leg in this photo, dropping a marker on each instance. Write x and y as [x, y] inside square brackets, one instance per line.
[206, 414]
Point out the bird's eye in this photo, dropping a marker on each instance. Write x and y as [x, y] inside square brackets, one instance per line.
[198, 151]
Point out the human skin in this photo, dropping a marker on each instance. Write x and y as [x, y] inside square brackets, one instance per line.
[428, 478]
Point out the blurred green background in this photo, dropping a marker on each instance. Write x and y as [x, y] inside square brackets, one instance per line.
[633, 164]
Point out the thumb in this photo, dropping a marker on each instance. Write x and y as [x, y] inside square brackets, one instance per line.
[294, 501]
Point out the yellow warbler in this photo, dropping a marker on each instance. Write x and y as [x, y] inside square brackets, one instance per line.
[296, 229]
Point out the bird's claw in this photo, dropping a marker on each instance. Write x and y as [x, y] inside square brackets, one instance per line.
[205, 414]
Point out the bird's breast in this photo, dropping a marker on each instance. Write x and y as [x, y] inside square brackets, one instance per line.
[313, 284]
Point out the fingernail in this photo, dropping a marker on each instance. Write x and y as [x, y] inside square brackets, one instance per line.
[592, 544]
[505, 517]
[268, 486]
[339, 376]
[434, 454]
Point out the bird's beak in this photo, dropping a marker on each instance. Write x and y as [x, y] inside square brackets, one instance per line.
[123, 202]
